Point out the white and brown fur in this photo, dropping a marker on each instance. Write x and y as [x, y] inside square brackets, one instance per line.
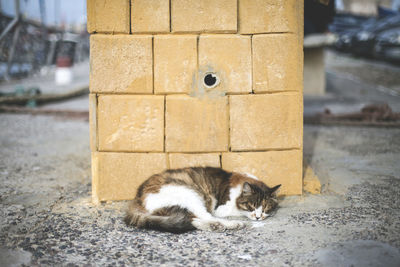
[186, 199]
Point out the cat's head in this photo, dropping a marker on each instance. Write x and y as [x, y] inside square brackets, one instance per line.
[255, 202]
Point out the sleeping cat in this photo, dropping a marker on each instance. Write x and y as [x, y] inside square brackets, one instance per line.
[186, 199]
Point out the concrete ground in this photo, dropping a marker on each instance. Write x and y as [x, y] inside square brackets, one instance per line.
[47, 218]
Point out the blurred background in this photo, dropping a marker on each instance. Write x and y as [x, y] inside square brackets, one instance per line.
[35, 34]
[351, 61]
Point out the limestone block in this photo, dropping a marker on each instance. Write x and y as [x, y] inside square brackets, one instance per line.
[131, 123]
[270, 121]
[300, 23]
[121, 64]
[277, 65]
[91, 16]
[108, 16]
[150, 16]
[196, 125]
[93, 121]
[178, 160]
[229, 57]
[116, 176]
[204, 15]
[265, 16]
[175, 63]
[272, 167]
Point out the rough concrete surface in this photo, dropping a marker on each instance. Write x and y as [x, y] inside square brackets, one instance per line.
[47, 218]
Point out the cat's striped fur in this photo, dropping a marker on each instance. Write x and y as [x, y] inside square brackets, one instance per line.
[186, 199]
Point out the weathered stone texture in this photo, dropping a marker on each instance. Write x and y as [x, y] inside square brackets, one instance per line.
[175, 63]
[277, 65]
[131, 123]
[196, 125]
[93, 121]
[178, 160]
[229, 57]
[265, 16]
[204, 15]
[116, 176]
[271, 121]
[271, 167]
[121, 64]
[150, 16]
[108, 16]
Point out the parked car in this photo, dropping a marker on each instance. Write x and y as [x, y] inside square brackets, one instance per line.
[344, 39]
[364, 41]
[344, 22]
[370, 37]
[346, 26]
[387, 45]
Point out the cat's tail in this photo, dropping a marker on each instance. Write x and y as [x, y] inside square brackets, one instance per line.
[172, 219]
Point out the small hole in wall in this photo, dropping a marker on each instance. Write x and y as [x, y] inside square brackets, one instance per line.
[211, 80]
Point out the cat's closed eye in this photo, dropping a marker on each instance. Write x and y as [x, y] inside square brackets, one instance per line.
[269, 207]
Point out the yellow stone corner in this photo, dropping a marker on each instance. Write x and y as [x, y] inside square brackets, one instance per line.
[266, 16]
[277, 65]
[93, 121]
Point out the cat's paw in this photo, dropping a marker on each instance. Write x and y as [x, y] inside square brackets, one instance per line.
[207, 225]
[217, 226]
[233, 225]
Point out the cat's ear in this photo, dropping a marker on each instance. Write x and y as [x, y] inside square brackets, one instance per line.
[273, 189]
[247, 189]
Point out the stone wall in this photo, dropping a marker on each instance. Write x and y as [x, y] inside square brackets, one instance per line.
[178, 83]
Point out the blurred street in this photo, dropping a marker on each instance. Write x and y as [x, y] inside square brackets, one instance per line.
[47, 217]
[355, 82]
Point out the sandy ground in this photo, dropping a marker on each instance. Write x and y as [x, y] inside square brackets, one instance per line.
[47, 218]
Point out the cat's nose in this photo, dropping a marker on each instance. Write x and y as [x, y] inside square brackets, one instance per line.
[257, 218]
